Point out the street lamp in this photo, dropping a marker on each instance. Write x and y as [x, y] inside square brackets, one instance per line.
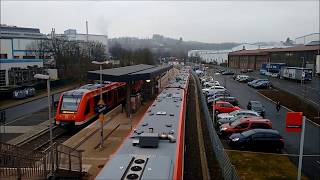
[47, 78]
[101, 103]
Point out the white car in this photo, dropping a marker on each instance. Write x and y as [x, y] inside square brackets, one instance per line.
[210, 84]
[241, 77]
[242, 112]
[213, 88]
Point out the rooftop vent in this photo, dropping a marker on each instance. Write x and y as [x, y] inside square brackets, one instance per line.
[161, 113]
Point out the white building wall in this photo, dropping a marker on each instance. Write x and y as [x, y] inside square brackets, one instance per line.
[6, 47]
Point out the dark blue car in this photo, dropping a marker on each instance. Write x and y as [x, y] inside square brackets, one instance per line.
[262, 139]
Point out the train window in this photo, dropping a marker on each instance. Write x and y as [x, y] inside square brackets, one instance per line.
[70, 103]
[87, 110]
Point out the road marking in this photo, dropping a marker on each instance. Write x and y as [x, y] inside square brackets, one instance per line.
[318, 162]
[287, 108]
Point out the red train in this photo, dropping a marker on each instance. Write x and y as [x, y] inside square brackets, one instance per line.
[76, 107]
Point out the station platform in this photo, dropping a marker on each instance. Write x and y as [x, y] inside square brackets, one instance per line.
[116, 129]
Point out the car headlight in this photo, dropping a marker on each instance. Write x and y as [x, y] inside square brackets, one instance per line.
[223, 129]
[235, 139]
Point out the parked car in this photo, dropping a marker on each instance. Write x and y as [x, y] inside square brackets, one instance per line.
[211, 84]
[228, 73]
[213, 89]
[224, 117]
[229, 99]
[262, 85]
[245, 79]
[234, 77]
[265, 139]
[30, 91]
[241, 77]
[249, 70]
[219, 122]
[256, 81]
[257, 107]
[244, 124]
[224, 107]
[221, 92]
[243, 70]
[19, 94]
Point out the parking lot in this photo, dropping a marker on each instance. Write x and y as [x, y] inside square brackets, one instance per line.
[311, 160]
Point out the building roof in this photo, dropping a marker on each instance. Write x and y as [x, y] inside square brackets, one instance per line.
[266, 51]
[20, 32]
[129, 73]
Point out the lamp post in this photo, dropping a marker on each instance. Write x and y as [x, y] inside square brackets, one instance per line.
[47, 78]
[101, 103]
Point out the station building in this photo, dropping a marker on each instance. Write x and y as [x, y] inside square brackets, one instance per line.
[18, 58]
[297, 56]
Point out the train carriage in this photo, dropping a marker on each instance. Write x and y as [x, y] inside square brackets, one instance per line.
[155, 148]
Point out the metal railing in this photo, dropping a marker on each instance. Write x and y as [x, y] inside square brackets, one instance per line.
[18, 163]
[228, 170]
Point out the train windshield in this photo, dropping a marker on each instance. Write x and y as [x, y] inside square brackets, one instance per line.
[70, 103]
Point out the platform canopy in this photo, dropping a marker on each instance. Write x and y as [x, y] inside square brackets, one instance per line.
[129, 73]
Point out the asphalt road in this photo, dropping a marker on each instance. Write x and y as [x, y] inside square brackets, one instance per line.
[311, 88]
[19, 112]
[311, 164]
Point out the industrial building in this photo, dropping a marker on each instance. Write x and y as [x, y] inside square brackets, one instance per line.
[297, 56]
[19, 59]
[308, 39]
[209, 56]
[221, 56]
[72, 35]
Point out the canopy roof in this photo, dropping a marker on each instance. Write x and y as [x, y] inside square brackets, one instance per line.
[129, 73]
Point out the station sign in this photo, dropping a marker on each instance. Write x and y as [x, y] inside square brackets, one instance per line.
[293, 121]
[100, 109]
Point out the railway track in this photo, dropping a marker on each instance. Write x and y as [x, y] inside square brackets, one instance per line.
[42, 140]
[200, 162]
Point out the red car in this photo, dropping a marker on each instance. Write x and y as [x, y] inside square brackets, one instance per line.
[244, 124]
[224, 107]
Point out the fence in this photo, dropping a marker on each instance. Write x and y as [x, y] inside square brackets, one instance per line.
[18, 163]
[228, 170]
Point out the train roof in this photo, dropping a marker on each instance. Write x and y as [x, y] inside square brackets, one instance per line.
[153, 142]
[87, 88]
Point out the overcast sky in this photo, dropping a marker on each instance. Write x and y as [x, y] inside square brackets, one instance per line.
[206, 21]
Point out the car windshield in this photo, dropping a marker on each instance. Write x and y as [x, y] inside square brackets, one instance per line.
[248, 133]
[70, 103]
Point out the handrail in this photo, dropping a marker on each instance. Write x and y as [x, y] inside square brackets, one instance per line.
[35, 164]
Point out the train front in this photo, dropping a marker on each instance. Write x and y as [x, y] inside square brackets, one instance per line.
[155, 148]
[70, 108]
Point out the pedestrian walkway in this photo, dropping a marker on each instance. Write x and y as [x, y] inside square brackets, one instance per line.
[29, 132]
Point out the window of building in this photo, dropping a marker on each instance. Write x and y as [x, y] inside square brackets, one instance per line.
[3, 56]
